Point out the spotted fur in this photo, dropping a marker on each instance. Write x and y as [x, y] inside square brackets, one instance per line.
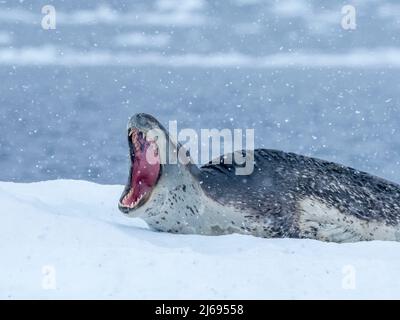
[287, 195]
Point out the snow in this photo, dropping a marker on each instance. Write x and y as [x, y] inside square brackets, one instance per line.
[285, 68]
[67, 239]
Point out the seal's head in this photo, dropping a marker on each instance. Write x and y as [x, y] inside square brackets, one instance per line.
[159, 166]
[145, 169]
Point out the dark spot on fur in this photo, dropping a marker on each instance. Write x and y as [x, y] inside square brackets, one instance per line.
[217, 230]
[191, 210]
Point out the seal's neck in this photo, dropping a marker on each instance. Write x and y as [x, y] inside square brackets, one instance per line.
[178, 194]
[179, 205]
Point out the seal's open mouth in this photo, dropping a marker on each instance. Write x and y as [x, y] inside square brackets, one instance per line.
[144, 172]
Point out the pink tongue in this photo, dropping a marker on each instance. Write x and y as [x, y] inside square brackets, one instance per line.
[146, 167]
[145, 173]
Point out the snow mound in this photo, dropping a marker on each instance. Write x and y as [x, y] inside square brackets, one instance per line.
[67, 239]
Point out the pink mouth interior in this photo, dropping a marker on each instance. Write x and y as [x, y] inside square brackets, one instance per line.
[145, 170]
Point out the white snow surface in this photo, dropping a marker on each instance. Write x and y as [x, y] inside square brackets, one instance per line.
[67, 239]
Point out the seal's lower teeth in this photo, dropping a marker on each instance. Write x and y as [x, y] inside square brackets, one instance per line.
[130, 193]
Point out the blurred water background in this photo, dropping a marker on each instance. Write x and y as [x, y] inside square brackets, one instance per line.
[285, 68]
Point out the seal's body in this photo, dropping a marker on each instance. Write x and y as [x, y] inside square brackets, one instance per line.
[286, 196]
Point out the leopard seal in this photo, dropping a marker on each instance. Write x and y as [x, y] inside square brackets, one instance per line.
[286, 196]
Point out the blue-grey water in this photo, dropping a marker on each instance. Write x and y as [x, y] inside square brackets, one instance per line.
[68, 121]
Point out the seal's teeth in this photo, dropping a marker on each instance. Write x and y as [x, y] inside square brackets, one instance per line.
[133, 132]
[129, 194]
[134, 204]
[141, 197]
